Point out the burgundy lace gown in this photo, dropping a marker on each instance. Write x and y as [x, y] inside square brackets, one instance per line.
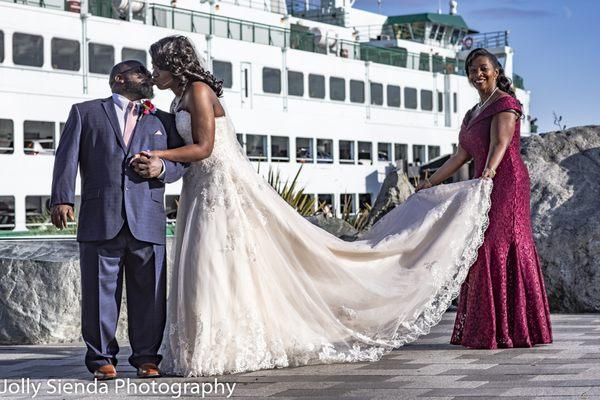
[503, 301]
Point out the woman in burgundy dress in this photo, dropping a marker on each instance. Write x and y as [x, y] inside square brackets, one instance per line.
[503, 300]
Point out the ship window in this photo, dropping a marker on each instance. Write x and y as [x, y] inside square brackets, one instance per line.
[440, 33]
[38, 137]
[240, 139]
[65, 54]
[28, 49]
[7, 136]
[102, 58]
[346, 152]
[37, 211]
[134, 54]
[384, 151]
[325, 200]
[424, 62]
[304, 149]
[419, 154]
[400, 152]
[223, 70]
[440, 101]
[324, 150]
[364, 201]
[280, 148]
[171, 206]
[7, 213]
[393, 96]
[256, 147]
[271, 80]
[426, 100]
[438, 63]
[434, 28]
[365, 150]
[376, 94]
[410, 98]
[357, 91]
[1, 46]
[337, 89]
[433, 152]
[316, 86]
[347, 201]
[61, 128]
[454, 102]
[454, 36]
[295, 83]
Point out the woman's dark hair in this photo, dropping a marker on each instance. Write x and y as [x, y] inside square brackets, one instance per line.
[503, 82]
[177, 55]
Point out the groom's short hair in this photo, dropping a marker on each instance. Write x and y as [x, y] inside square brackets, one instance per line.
[122, 67]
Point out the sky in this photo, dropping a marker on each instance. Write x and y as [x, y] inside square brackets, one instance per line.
[556, 44]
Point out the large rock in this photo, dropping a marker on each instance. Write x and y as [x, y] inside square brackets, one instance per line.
[565, 198]
[336, 226]
[40, 293]
[395, 189]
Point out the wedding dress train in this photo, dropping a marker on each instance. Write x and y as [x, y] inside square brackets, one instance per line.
[253, 285]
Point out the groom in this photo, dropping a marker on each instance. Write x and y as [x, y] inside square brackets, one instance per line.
[121, 228]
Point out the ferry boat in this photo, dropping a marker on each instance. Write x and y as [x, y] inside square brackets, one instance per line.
[345, 93]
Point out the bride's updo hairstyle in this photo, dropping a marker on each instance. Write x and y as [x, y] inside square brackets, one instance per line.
[177, 55]
[503, 82]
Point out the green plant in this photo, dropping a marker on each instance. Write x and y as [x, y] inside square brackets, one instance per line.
[358, 220]
[294, 196]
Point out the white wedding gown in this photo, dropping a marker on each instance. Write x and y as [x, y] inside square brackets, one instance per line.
[253, 285]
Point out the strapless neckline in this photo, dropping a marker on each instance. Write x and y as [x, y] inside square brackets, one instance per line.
[190, 114]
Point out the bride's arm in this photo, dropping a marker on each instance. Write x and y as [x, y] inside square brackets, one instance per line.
[200, 106]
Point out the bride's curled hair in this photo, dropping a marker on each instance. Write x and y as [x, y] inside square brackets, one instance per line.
[177, 55]
[503, 82]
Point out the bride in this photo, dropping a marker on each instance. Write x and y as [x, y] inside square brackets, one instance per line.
[254, 285]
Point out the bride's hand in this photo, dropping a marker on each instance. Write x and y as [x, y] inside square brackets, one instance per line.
[145, 154]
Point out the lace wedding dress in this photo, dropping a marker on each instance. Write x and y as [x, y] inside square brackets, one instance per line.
[253, 285]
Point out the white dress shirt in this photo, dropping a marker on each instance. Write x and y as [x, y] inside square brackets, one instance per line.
[121, 103]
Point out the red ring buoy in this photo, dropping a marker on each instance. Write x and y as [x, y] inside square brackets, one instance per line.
[468, 42]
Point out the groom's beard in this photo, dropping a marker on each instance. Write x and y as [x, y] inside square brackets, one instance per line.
[143, 89]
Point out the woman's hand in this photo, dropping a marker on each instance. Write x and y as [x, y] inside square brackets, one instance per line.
[424, 184]
[488, 173]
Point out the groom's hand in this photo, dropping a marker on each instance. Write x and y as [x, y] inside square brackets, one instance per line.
[147, 166]
[61, 213]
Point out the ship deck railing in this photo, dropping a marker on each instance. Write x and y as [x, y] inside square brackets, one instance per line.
[292, 38]
[487, 40]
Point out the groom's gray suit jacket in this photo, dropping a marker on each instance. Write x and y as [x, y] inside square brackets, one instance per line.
[112, 193]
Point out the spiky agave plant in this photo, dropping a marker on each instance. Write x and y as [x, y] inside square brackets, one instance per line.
[358, 220]
[295, 197]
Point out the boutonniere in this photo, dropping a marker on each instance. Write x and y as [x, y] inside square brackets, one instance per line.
[148, 107]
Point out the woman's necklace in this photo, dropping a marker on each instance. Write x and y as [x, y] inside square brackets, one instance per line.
[480, 105]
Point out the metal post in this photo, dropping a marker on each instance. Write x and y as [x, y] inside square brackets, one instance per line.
[83, 15]
[368, 89]
[284, 68]
[129, 10]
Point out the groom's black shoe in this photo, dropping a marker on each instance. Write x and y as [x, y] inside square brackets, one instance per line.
[148, 370]
[105, 372]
